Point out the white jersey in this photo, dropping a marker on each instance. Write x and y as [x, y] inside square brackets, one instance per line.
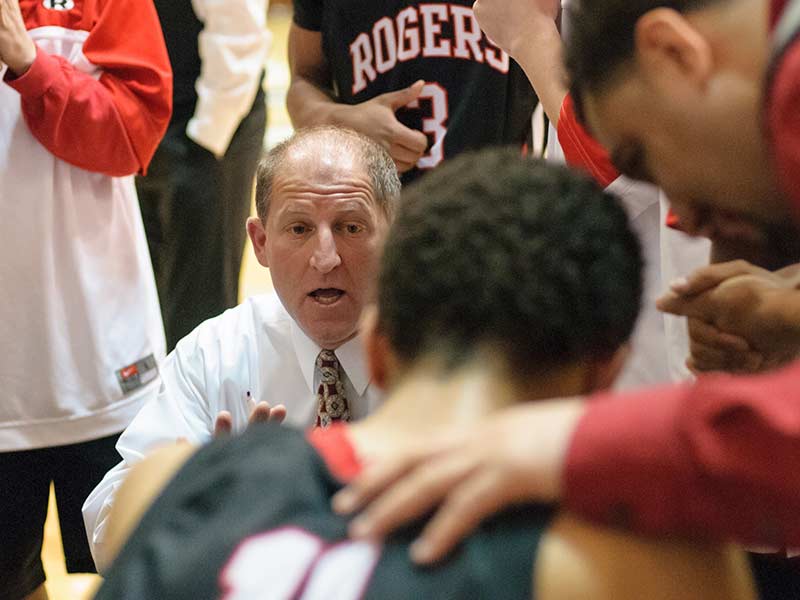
[660, 342]
[80, 326]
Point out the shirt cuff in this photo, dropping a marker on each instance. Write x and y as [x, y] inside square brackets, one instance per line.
[620, 466]
[35, 82]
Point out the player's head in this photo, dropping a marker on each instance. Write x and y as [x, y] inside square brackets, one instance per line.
[673, 89]
[324, 200]
[494, 256]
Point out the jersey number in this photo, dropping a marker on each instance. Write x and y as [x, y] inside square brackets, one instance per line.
[433, 125]
[290, 563]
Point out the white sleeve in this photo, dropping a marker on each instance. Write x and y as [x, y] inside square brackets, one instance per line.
[181, 410]
[233, 50]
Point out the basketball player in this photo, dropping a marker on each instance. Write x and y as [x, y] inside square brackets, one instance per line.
[661, 84]
[501, 278]
[420, 78]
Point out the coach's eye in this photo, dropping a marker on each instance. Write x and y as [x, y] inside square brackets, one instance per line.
[353, 228]
[298, 229]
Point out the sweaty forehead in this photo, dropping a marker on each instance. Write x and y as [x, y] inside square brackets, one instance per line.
[324, 160]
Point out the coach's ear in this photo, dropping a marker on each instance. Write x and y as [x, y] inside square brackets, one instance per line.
[258, 236]
[381, 359]
[602, 373]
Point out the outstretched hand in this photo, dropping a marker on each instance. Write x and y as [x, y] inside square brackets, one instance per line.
[376, 118]
[513, 457]
[17, 49]
[261, 412]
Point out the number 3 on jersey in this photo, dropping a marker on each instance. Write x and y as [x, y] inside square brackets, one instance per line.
[293, 564]
[434, 124]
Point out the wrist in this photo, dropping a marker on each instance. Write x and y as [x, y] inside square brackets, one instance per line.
[22, 58]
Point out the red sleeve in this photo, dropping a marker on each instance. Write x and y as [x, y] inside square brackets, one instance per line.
[581, 150]
[783, 123]
[111, 125]
[718, 458]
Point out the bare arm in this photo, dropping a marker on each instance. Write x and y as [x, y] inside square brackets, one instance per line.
[310, 101]
[526, 30]
[310, 97]
[579, 560]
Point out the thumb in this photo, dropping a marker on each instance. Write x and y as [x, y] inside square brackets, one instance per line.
[399, 98]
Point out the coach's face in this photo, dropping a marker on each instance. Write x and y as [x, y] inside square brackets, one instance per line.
[321, 240]
[685, 114]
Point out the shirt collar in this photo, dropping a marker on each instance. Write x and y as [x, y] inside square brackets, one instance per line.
[350, 355]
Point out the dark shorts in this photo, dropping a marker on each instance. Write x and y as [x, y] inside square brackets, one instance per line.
[25, 478]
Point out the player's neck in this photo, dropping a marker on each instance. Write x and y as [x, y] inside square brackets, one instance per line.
[426, 401]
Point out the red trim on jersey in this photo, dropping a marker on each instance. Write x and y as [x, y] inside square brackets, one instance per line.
[336, 449]
[111, 125]
[775, 10]
[673, 221]
[581, 150]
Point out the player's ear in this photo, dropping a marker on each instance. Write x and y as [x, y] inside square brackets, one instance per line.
[669, 46]
[601, 374]
[381, 360]
[257, 232]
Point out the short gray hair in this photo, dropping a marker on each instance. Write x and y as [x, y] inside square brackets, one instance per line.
[379, 165]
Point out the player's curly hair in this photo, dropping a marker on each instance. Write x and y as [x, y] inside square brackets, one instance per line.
[497, 252]
[601, 39]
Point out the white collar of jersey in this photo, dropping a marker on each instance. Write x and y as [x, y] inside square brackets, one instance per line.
[350, 355]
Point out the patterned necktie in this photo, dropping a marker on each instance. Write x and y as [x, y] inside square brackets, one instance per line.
[331, 400]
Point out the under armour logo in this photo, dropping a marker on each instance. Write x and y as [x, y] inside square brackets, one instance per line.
[59, 4]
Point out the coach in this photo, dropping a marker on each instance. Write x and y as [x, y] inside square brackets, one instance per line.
[324, 199]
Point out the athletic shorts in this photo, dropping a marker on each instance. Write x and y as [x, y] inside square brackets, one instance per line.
[25, 478]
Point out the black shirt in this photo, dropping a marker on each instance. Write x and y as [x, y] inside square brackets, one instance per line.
[253, 513]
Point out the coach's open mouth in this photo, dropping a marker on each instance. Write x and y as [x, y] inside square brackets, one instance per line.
[327, 296]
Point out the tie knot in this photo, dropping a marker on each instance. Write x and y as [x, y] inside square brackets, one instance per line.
[328, 366]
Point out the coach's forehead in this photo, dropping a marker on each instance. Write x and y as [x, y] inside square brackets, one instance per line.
[324, 157]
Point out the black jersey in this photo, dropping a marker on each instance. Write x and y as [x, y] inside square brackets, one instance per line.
[475, 95]
[250, 517]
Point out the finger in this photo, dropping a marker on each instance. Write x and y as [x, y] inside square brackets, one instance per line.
[688, 306]
[402, 154]
[705, 278]
[399, 98]
[402, 167]
[223, 424]
[709, 335]
[462, 511]
[706, 358]
[411, 497]
[261, 413]
[692, 367]
[411, 139]
[277, 414]
[371, 482]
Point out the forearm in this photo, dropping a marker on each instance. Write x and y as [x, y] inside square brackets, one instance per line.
[714, 460]
[541, 57]
[73, 115]
[309, 105]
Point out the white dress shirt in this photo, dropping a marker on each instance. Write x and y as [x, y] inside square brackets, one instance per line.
[233, 49]
[250, 353]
